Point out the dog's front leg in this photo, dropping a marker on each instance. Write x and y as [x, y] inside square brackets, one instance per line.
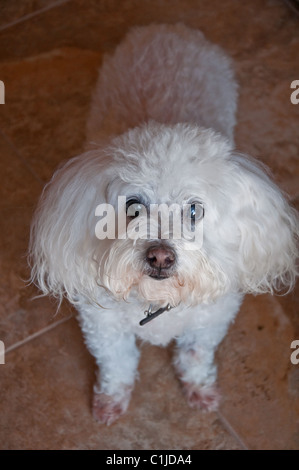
[117, 356]
[194, 362]
[117, 360]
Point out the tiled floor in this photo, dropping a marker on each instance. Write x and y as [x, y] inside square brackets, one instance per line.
[48, 61]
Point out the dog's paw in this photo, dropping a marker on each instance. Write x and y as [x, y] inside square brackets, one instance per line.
[203, 397]
[107, 409]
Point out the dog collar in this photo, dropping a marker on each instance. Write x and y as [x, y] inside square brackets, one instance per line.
[151, 315]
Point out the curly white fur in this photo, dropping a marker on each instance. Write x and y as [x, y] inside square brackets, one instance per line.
[161, 130]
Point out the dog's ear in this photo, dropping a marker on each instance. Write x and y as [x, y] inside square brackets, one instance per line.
[267, 229]
[63, 242]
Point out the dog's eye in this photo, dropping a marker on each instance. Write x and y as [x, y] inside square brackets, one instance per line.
[134, 208]
[196, 211]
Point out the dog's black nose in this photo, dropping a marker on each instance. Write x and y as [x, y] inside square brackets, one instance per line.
[160, 257]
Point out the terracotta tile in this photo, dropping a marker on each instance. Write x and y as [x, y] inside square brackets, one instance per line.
[46, 106]
[106, 22]
[158, 400]
[257, 377]
[19, 186]
[14, 11]
[46, 392]
[19, 315]
[266, 111]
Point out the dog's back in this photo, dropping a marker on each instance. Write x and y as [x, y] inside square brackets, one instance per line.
[167, 73]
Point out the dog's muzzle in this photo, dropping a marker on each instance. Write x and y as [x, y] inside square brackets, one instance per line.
[160, 260]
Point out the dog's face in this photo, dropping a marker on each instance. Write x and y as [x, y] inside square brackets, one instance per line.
[170, 197]
[190, 220]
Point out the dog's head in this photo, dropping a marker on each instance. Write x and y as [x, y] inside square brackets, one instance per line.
[168, 213]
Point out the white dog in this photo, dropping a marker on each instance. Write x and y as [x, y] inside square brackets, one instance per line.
[161, 131]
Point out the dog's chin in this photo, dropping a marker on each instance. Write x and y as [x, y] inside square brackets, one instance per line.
[159, 288]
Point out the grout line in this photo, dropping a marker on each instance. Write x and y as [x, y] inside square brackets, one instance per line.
[32, 15]
[231, 430]
[37, 334]
[293, 5]
[21, 158]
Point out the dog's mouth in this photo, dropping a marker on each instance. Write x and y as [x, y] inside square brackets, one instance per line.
[159, 276]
